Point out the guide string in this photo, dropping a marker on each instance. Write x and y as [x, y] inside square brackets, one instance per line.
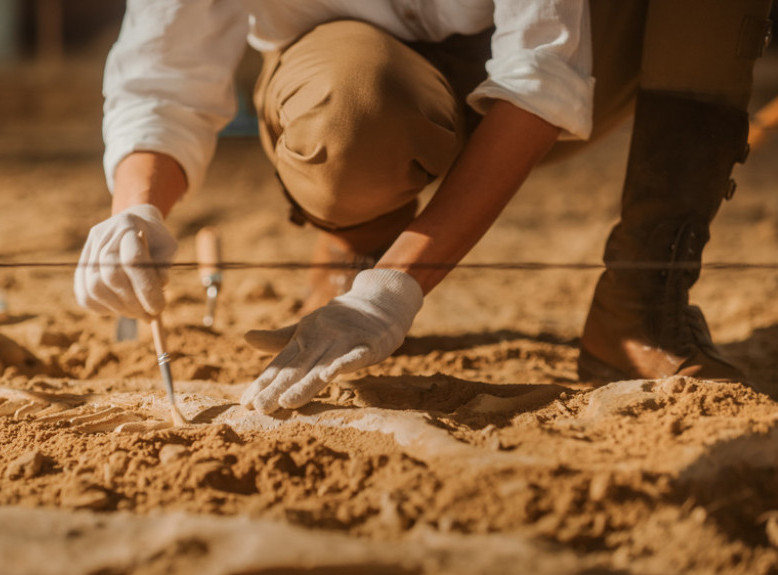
[486, 266]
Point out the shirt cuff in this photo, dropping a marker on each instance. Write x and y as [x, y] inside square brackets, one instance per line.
[541, 84]
[193, 150]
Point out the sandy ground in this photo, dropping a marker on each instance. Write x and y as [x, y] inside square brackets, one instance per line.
[474, 449]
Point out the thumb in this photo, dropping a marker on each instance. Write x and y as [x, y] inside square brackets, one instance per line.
[270, 340]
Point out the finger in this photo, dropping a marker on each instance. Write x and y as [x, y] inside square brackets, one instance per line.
[322, 374]
[115, 279]
[355, 359]
[303, 391]
[309, 387]
[92, 305]
[247, 398]
[295, 371]
[268, 399]
[268, 375]
[144, 278]
[88, 267]
[270, 340]
[99, 297]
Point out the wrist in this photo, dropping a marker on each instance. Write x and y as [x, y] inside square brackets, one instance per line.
[148, 178]
[147, 212]
[397, 294]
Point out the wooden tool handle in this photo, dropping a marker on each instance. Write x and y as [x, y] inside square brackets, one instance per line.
[209, 251]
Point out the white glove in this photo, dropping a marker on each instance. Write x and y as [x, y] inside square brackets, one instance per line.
[115, 275]
[355, 330]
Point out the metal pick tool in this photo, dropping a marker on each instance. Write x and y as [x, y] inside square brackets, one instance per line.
[163, 359]
[208, 247]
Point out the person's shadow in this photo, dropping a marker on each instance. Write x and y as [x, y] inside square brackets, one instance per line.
[757, 356]
[441, 396]
[422, 345]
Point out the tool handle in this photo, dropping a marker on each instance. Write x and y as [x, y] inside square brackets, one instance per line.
[209, 253]
[158, 334]
[157, 331]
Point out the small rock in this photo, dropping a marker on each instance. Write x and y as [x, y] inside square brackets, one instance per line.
[118, 461]
[27, 466]
[97, 359]
[39, 335]
[86, 497]
[205, 372]
[673, 385]
[676, 426]
[252, 290]
[389, 514]
[116, 465]
[490, 438]
[14, 355]
[54, 339]
[170, 452]
[513, 487]
[698, 515]
[224, 433]
[446, 524]
[771, 530]
[218, 475]
[599, 486]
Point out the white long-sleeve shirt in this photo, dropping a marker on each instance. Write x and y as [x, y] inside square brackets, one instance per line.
[168, 82]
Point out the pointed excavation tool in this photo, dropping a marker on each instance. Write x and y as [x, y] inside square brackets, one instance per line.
[163, 359]
[209, 259]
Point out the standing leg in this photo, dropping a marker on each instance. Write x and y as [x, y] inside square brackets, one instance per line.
[690, 129]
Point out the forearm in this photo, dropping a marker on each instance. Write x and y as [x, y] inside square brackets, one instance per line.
[148, 178]
[496, 161]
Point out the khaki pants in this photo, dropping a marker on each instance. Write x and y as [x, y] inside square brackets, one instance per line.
[357, 123]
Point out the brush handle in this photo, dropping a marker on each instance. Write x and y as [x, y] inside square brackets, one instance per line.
[209, 255]
[158, 334]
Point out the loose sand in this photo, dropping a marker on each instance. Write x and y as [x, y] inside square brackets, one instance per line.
[474, 449]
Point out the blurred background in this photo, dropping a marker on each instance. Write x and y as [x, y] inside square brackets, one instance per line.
[51, 28]
[51, 59]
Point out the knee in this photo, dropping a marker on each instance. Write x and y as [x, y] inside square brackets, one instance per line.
[362, 128]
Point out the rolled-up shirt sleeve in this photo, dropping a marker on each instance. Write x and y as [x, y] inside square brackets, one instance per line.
[541, 62]
[168, 82]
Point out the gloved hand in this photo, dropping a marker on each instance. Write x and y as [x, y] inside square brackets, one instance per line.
[355, 330]
[114, 275]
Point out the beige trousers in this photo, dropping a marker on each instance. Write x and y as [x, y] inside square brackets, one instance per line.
[357, 123]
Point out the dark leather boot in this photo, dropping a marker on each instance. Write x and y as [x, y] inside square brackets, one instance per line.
[640, 323]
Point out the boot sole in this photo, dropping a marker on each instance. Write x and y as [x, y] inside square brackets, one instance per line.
[594, 370]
